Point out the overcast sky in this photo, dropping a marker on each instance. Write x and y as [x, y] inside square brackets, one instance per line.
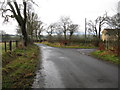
[51, 10]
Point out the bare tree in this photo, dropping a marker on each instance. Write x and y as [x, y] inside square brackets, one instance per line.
[101, 20]
[40, 30]
[51, 30]
[95, 26]
[62, 28]
[72, 29]
[114, 21]
[34, 25]
[58, 29]
[92, 28]
[65, 23]
[21, 17]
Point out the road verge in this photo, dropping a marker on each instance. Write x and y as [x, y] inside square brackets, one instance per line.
[107, 56]
[19, 67]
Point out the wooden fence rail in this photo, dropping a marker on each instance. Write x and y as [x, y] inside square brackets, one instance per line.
[10, 45]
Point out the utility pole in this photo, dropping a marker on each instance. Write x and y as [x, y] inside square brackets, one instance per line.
[85, 30]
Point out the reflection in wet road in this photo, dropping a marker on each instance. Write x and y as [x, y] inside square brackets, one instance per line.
[49, 72]
[69, 68]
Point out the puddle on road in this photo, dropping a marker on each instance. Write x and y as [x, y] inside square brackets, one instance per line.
[52, 78]
[48, 76]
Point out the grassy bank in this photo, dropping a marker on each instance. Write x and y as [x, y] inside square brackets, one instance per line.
[68, 46]
[107, 56]
[19, 67]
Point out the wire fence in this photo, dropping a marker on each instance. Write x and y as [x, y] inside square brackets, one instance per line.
[8, 45]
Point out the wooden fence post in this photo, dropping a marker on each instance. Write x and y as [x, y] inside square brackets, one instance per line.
[10, 45]
[5, 46]
[16, 44]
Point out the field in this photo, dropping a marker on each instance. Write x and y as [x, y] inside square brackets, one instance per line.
[2, 46]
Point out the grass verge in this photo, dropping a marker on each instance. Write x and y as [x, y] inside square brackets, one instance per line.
[68, 46]
[19, 67]
[107, 56]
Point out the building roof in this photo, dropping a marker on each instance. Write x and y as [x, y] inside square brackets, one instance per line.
[110, 31]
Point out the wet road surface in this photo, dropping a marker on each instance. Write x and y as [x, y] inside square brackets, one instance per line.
[72, 68]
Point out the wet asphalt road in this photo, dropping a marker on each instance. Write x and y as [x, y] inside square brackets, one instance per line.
[69, 68]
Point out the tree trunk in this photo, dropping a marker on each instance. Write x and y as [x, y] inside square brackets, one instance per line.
[65, 35]
[36, 35]
[70, 37]
[21, 20]
[99, 31]
[24, 33]
[96, 31]
[99, 37]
